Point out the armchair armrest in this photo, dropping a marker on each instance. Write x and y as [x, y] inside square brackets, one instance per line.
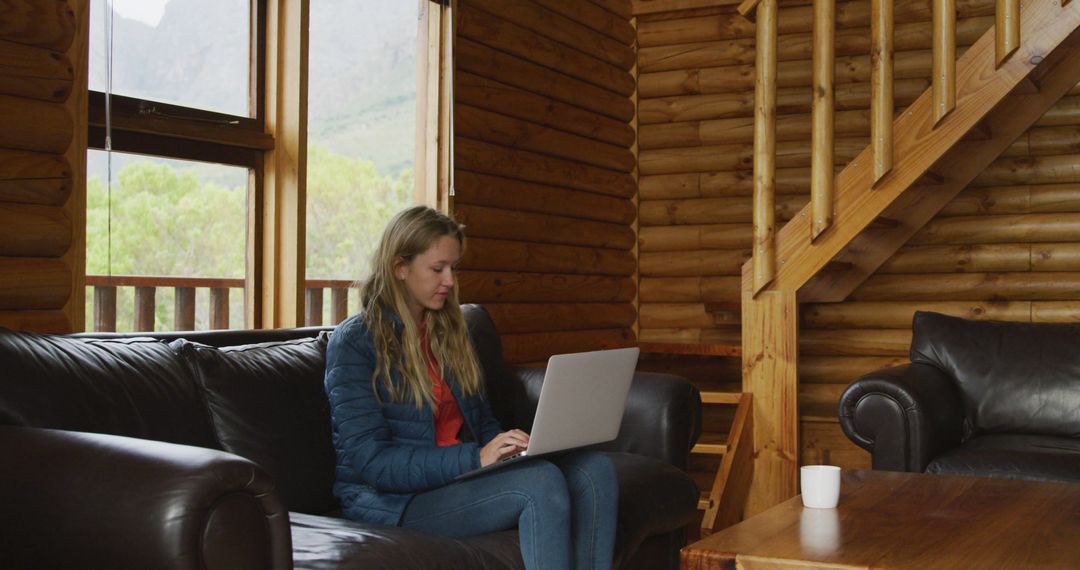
[904, 416]
[75, 499]
[662, 418]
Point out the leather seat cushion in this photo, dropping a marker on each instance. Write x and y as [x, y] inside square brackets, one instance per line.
[1027, 457]
[654, 498]
[325, 543]
[134, 387]
[268, 405]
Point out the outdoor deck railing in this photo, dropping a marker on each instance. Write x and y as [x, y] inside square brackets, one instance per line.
[184, 306]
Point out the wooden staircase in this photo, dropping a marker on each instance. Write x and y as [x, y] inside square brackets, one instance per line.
[919, 159]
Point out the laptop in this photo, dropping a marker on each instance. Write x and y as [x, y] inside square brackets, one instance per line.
[581, 403]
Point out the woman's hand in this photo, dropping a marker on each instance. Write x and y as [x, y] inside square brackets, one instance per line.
[506, 443]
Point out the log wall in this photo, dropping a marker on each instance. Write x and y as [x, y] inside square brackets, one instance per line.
[545, 166]
[42, 164]
[696, 79]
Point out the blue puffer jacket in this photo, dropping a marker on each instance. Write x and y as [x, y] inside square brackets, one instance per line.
[386, 452]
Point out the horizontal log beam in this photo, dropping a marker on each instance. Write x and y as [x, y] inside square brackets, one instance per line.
[510, 287]
[28, 283]
[694, 263]
[35, 73]
[557, 27]
[689, 289]
[503, 255]
[44, 24]
[38, 126]
[842, 369]
[34, 231]
[968, 287]
[502, 35]
[593, 17]
[514, 318]
[481, 60]
[45, 322]
[999, 229]
[794, 154]
[687, 238]
[537, 347]
[522, 226]
[480, 124]
[497, 192]
[488, 94]
[712, 210]
[486, 158]
[719, 184]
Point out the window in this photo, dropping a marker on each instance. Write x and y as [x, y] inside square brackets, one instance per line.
[363, 84]
[176, 88]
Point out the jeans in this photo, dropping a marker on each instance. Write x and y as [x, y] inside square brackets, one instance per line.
[565, 509]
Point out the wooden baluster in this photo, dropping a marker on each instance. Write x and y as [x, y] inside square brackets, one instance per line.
[339, 304]
[104, 308]
[219, 308]
[821, 152]
[881, 86]
[1006, 29]
[314, 306]
[145, 305]
[944, 80]
[764, 260]
[184, 309]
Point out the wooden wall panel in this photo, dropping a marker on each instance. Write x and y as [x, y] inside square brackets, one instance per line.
[545, 164]
[42, 164]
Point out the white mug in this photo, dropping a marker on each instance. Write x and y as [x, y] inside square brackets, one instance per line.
[820, 486]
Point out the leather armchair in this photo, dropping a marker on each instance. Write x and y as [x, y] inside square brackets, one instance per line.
[981, 398]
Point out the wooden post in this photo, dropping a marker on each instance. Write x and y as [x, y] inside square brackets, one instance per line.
[881, 87]
[821, 159]
[770, 331]
[944, 75]
[764, 260]
[314, 306]
[184, 308]
[1006, 29]
[219, 308]
[145, 305]
[275, 273]
[339, 304]
[104, 308]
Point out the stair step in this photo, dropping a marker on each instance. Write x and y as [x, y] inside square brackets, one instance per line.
[883, 223]
[711, 444]
[704, 502]
[692, 349]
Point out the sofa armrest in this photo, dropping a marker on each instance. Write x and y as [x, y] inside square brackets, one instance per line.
[662, 417]
[904, 416]
[77, 500]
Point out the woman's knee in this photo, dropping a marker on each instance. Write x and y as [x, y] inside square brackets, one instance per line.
[545, 483]
[593, 470]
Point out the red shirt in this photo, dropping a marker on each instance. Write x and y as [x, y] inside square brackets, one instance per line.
[448, 419]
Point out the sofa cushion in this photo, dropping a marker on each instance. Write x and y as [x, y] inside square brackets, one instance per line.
[267, 404]
[135, 387]
[1013, 377]
[1028, 457]
[335, 544]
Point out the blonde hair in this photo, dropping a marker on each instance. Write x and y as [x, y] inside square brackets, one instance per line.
[410, 233]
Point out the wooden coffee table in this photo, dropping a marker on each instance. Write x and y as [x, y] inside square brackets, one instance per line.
[907, 520]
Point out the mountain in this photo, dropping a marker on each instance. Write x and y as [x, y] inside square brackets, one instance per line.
[362, 68]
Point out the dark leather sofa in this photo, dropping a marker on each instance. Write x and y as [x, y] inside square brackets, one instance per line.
[214, 452]
[983, 398]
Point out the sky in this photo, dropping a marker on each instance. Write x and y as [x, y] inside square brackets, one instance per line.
[148, 12]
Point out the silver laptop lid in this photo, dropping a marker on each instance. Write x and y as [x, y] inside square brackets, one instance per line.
[582, 399]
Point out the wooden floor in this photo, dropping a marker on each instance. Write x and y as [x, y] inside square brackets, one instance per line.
[889, 520]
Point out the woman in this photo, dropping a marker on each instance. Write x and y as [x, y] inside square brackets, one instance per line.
[409, 416]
